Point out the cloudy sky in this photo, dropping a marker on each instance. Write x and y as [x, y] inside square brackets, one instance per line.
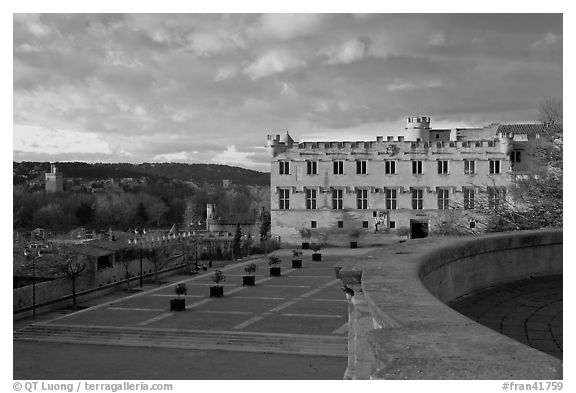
[208, 88]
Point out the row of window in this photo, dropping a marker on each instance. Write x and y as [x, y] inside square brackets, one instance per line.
[495, 198]
[390, 167]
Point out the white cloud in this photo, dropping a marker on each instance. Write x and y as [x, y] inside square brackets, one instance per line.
[33, 24]
[179, 156]
[547, 39]
[35, 139]
[347, 52]
[233, 157]
[437, 39]
[286, 26]
[409, 85]
[226, 72]
[272, 63]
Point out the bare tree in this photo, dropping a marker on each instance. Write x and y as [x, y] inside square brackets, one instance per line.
[550, 111]
[72, 264]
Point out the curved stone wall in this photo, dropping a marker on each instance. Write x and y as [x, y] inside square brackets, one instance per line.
[401, 328]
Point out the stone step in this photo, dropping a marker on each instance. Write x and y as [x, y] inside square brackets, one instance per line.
[187, 339]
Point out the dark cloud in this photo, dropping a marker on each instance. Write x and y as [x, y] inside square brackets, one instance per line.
[211, 86]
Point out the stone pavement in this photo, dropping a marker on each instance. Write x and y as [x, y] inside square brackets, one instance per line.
[303, 313]
[528, 311]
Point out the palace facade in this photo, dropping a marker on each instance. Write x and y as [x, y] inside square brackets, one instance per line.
[405, 182]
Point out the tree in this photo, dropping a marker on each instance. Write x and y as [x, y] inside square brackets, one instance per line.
[535, 200]
[265, 224]
[72, 264]
[550, 111]
[84, 213]
[237, 242]
[158, 257]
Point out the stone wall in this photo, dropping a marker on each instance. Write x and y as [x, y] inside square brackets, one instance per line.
[400, 327]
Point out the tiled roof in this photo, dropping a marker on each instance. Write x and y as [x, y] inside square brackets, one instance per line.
[530, 129]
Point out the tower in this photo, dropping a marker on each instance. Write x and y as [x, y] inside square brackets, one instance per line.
[54, 180]
[417, 129]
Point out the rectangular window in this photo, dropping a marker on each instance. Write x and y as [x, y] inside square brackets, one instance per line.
[362, 199]
[337, 198]
[469, 167]
[312, 224]
[390, 167]
[494, 167]
[495, 197]
[312, 167]
[417, 167]
[392, 225]
[516, 156]
[284, 167]
[311, 195]
[340, 224]
[469, 195]
[391, 198]
[361, 167]
[442, 167]
[338, 167]
[443, 198]
[364, 224]
[284, 199]
[417, 198]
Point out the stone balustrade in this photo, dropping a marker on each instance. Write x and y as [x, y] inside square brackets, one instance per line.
[401, 328]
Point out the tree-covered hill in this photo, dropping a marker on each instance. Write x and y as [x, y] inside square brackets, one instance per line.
[198, 173]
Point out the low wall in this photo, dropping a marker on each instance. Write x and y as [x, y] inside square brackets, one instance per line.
[401, 328]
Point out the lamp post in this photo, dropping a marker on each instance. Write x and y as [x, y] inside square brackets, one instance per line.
[28, 254]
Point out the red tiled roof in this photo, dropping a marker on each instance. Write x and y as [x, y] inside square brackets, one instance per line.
[530, 129]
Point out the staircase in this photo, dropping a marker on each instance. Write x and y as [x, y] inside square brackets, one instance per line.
[299, 344]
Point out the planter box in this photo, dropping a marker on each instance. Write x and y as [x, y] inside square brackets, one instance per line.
[275, 271]
[353, 244]
[316, 256]
[216, 291]
[297, 263]
[305, 245]
[248, 281]
[177, 304]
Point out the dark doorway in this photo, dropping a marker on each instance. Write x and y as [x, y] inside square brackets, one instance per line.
[418, 229]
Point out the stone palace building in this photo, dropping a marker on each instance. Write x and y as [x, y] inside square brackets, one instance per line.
[406, 181]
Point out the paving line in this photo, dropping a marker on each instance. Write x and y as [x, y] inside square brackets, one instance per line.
[169, 295]
[342, 329]
[134, 309]
[156, 318]
[257, 297]
[225, 312]
[283, 305]
[310, 293]
[313, 315]
[247, 323]
[150, 291]
[201, 302]
[288, 286]
[329, 300]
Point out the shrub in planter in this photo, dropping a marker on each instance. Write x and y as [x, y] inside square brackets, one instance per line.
[179, 304]
[316, 256]
[296, 258]
[249, 280]
[275, 271]
[305, 233]
[354, 235]
[217, 290]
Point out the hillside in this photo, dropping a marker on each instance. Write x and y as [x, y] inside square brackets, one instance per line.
[198, 173]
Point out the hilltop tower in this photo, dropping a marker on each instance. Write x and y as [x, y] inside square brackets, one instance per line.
[417, 129]
[54, 180]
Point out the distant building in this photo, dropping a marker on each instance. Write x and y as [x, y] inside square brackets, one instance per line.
[54, 180]
[226, 183]
[410, 179]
